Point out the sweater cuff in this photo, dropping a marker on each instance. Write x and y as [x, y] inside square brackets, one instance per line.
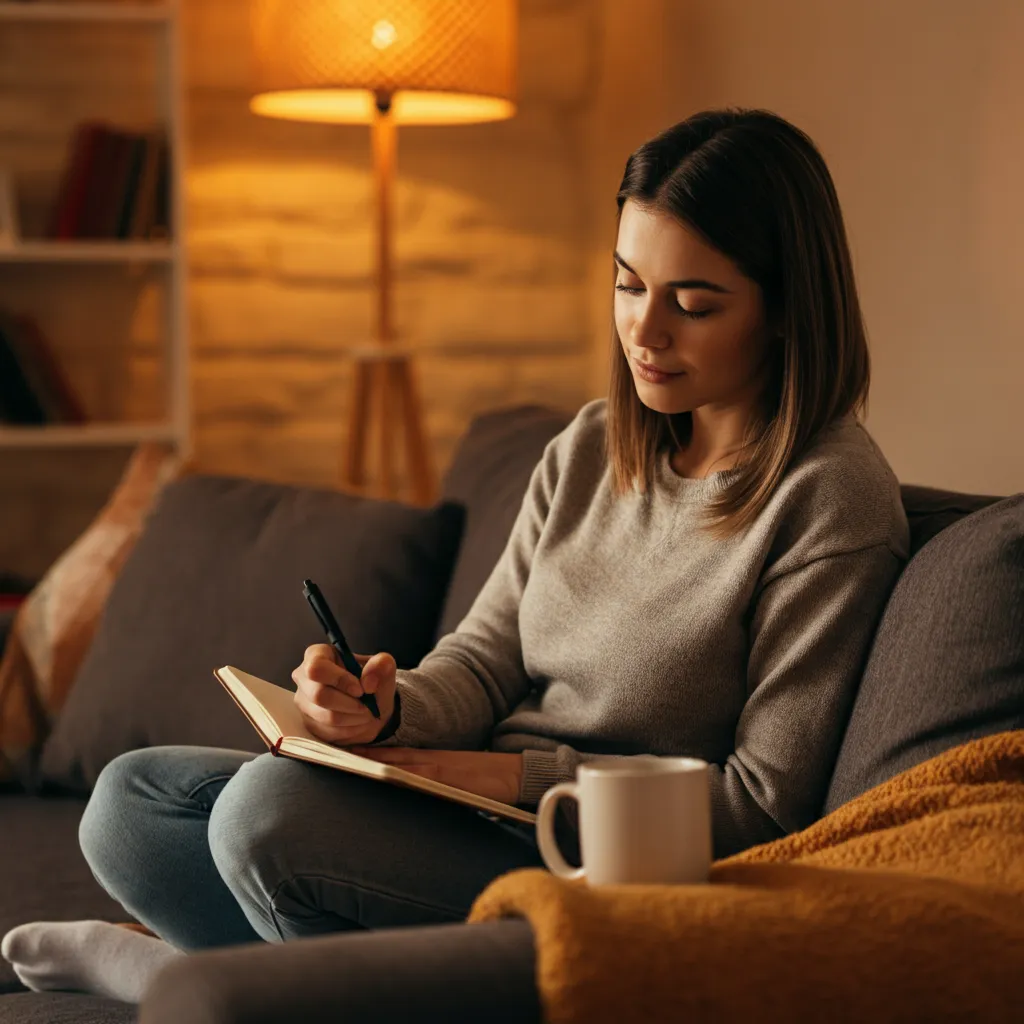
[541, 771]
[409, 712]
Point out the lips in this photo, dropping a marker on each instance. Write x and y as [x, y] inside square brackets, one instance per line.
[654, 374]
[658, 369]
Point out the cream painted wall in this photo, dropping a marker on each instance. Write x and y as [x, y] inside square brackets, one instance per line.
[918, 107]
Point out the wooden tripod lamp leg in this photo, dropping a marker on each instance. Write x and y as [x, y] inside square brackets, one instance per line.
[418, 460]
[383, 407]
[384, 390]
[354, 473]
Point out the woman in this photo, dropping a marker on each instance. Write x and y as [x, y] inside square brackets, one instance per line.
[697, 568]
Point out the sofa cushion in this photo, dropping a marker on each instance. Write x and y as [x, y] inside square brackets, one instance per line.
[488, 477]
[216, 578]
[43, 875]
[930, 510]
[64, 1008]
[449, 973]
[947, 662]
[56, 623]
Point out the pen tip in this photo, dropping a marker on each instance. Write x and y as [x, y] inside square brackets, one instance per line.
[307, 583]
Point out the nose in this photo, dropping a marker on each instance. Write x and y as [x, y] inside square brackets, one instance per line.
[649, 329]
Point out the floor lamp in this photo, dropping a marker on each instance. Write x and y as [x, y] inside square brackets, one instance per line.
[385, 63]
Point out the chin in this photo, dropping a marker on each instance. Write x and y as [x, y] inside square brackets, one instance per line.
[658, 398]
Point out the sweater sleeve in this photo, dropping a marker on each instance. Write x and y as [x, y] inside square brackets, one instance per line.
[475, 676]
[810, 633]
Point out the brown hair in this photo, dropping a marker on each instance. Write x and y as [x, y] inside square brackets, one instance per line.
[757, 189]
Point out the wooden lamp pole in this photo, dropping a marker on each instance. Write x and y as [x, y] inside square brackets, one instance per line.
[384, 388]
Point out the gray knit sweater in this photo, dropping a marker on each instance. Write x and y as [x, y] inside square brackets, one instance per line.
[613, 625]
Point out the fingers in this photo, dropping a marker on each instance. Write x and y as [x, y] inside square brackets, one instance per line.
[328, 696]
[337, 727]
[376, 669]
[340, 696]
[343, 716]
[320, 651]
[320, 667]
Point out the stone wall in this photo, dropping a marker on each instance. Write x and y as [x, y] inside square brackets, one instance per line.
[489, 271]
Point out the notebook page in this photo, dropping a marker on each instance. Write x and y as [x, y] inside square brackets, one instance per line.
[278, 704]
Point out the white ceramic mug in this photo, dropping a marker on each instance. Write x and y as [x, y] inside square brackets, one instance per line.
[643, 820]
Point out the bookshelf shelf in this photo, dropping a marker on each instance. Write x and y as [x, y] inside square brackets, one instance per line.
[88, 435]
[128, 13]
[89, 252]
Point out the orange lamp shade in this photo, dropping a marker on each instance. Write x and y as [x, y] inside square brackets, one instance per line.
[436, 61]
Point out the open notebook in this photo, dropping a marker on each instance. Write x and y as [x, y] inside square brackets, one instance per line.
[271, 710]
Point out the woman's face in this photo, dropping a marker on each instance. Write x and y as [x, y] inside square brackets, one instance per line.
[692, 327]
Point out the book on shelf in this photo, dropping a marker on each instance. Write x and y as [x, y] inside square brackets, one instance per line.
[34, 390]
[134, 160]
[67, 210]
[8, 211]
[151, 212]
[113, 185]
[272, 713]
[18, 401]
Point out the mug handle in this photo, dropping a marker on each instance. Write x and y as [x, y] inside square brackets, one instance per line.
[549, 850]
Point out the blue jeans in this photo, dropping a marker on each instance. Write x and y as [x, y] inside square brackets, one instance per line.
[213, 847]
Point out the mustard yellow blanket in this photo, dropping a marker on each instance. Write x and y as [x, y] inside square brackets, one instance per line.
[906, 904]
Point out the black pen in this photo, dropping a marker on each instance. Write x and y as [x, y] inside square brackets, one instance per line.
[311, 592]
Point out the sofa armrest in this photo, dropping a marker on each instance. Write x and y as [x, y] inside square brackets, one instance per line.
[430, 973]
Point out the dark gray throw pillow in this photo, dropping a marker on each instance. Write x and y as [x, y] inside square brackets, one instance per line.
[947, 663]
[215, 579]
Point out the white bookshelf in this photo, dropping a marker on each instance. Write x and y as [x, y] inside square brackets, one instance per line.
[89, 252]
[130, 13]
[88, 435]
[166, 257]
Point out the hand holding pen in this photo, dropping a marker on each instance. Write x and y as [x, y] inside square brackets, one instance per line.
[335, 637]
[334, 698]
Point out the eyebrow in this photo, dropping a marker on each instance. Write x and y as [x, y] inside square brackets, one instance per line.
[690, 282]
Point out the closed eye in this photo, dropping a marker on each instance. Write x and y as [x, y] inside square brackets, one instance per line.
[692, 314]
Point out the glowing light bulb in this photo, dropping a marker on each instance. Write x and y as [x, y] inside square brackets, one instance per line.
[384, 35]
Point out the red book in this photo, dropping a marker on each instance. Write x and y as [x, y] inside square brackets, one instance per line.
[109, 218]
[97, 191]
[60, 394]
[144, 212]
[67, 211]
[106, 185]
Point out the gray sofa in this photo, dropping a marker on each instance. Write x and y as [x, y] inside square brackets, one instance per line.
[947, 666]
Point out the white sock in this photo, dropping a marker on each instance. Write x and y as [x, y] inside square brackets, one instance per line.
[85, 956]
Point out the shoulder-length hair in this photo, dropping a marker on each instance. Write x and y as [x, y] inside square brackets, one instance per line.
[757, 189]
